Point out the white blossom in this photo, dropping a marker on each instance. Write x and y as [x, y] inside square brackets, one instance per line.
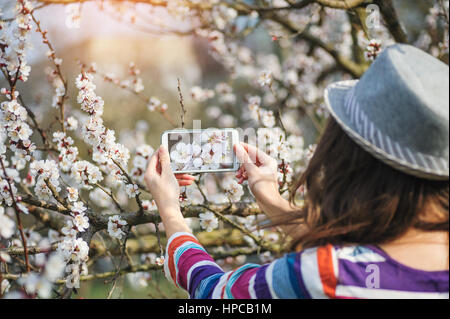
[160, 260]
[132, 190]
[373, 49]
[73, 18]
[139, 280]
[36, 284]
[72, 194]
[208, 221]
[71, 123]
[7, 225]
[54, 267]
[81, 222]
[116, 226]
[4, 286]
[201, 95]
[86, 174]
[149, 205]
[233, 189]
[265, 79]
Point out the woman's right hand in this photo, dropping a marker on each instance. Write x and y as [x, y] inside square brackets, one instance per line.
[260, 170]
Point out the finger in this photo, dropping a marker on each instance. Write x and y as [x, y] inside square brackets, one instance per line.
[243, 177]
[185, 183]
[185, 177]
[152, 164]
[164, 159]
[241, 180]
[158, 164]
[243, 156]
[241, 172]
[256, 154]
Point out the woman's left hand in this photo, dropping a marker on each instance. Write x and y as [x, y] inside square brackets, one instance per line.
[164, 187]
[161, 181]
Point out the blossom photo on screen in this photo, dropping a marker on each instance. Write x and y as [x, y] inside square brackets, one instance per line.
[207, 150]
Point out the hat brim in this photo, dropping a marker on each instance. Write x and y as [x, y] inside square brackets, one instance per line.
[335, 100]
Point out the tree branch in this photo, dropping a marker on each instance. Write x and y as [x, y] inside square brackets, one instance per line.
[341, 4]
[344, 63]
[390, 16]
[336, 4]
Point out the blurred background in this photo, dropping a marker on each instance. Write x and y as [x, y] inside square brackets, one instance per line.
[108, 40]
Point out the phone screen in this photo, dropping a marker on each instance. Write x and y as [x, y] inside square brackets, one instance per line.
[201, 150]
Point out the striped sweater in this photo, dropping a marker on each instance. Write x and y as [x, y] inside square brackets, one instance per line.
[321, 272]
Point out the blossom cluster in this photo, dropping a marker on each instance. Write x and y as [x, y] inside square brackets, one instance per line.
[75, 253]
[437, 19]
[55, 80]
[155, 104]
[116, 226]
[259, 114]
[140, 161]
[46, 176]
[112, 157]
[41, 284]
[14, 41]
[68, 153]
[13, 117]
[73, 250]
[373, 49]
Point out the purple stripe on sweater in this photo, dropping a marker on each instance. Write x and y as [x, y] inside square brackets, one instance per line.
[240, 289]
[298, 273]
[392, 276]
[187, 260]
[200, 273]
[261, 288]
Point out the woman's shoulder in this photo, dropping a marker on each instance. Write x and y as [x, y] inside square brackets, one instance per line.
[364, 271]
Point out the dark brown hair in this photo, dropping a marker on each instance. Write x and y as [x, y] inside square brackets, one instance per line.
[352, 197]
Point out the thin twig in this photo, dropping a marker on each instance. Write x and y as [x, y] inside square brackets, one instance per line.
[58, 70]
[256, 239]
[113, 198]
[183, 109]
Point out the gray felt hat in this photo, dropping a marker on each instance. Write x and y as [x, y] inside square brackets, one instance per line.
[399, 111]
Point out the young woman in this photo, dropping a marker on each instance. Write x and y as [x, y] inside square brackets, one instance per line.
[375, 219]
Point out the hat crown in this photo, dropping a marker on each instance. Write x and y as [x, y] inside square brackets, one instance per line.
[405, 93]
[398, 111]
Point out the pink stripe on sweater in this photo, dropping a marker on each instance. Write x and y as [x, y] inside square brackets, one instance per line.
[240, 289]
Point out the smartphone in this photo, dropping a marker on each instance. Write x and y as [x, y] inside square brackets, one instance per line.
[202, 151]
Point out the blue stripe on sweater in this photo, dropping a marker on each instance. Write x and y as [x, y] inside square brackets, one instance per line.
[281, 279]
[206, 286]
